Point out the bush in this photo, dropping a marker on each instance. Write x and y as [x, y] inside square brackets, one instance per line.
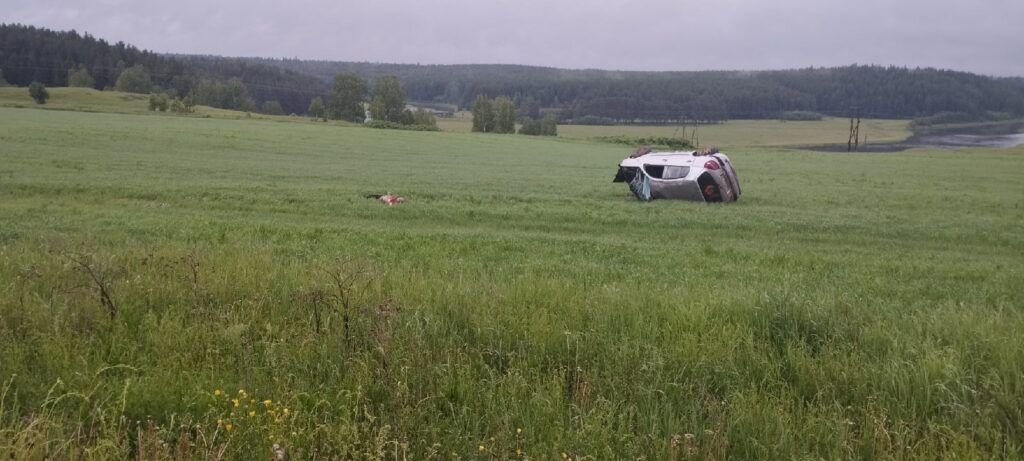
[272, 108]
[943, 118]
[386, 125]
[594, 120]
[38, 92]
[671, 143]
[800, 116]
[158, 101]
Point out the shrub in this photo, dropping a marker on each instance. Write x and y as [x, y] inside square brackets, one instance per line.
[386, 125]
[38, 92]
[671, 143]
[801, 116]
[594, 120]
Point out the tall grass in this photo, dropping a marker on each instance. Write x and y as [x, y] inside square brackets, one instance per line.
[518, 306]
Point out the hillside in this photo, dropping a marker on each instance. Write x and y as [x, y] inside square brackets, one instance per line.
[28, 53]
[872, 91]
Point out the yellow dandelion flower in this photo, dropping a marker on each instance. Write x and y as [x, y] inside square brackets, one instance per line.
[564, 456]
[267, 402]
[234, 402]
[286, 411]
[220, 422]
[241, 392]
[216, 392]
[519, 430]
[294, 434]
[519, 452]
[228, 427]
[252, 413]
[480, 448]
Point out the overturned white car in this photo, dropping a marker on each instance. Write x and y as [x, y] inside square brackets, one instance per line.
[703, 176]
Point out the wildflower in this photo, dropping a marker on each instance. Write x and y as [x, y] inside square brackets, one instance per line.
[519, 452]
[480, 448]
[286, 411]
[688, 436]
[234, 402]
[220, 422]
[252, 413]
[294, 434]
[216, 392]
[267, 403]
[241, 392]
[519, 430]
[564, 456]
[228, 427]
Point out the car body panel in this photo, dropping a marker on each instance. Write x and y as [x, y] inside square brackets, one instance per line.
[680, 175]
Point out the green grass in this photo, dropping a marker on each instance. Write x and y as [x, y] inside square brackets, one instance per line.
[90, 100]
[848, 306]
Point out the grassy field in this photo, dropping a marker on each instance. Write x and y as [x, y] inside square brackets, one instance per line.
[732, 134]
[188, 288]
[90, 100]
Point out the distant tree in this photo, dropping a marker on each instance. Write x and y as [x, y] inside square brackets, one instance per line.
[388, 101]
[228, 95]
[272, 108]
[549, 125]
[424, 118]
[346, 99]
[530, 127]
[407, 117]
[504, 115]
[134, 79]
[483, 114]
[158, 102]
[38, 92]
[316, 109]
[528, 107]
[78, 76]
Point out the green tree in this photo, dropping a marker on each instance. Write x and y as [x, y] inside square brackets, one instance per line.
[38, 92]
[228, 95]
[134, 79]
[346, 99]
[316, 109]
[549, 125]
[78, 76]
[483, 114]
[388, 100]
[271, 108]
[504, 115]
[528, 107]
[531, 127]
[158, 101]
[424, 118]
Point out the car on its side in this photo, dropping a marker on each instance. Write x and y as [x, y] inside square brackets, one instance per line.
[703, 176]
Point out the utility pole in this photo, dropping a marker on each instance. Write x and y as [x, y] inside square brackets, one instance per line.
[853, 141]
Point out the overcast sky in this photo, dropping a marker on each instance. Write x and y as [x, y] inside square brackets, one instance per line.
[984, 36]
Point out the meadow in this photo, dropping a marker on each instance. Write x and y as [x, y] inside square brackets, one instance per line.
[732, 134]
[210, 288]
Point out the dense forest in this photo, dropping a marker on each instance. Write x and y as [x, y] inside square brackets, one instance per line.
[34, 54]
[872, 91]
[30, 54]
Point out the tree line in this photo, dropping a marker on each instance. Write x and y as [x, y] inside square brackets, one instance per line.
[61, 58]
[703, 96]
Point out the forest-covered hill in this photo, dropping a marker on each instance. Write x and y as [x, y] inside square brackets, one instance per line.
[37, 54]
